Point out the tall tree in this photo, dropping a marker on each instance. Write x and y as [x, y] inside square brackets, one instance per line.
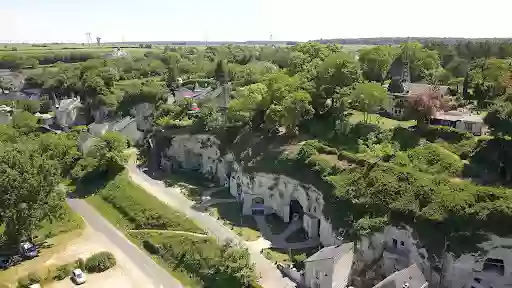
[296, 107]
[487, 80]
[27, 190]
[369, 98]
[339, 70]
[221, 72]
[376, 61]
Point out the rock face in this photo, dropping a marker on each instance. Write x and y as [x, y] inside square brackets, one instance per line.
[272, 193]
[377, 256]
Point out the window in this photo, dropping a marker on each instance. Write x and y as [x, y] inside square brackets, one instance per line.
[402, 243]
[395, 243]
[468, 126]
[318, 274]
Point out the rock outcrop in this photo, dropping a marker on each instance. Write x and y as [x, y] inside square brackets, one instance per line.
[377, 256]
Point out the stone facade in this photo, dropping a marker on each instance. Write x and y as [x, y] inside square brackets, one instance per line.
[201, 153]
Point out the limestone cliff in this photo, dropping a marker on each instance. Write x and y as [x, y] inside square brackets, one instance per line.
[377, 256]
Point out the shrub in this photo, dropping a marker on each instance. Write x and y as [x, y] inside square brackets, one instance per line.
[143, 210]
[448, 134]
[23, 282]
[320, 164]
[298, 261]
[80, 264]
[151, 247]
[62, 272]
[34, 278]
[100, 262]
[305, 152]
[431, 158]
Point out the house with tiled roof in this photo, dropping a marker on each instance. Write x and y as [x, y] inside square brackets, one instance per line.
[330, 267]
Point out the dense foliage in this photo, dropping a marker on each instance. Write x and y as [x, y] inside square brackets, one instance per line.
[213, 264]
[100, 262]
[142, 210]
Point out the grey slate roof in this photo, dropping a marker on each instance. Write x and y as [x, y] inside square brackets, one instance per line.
[411, 277]
[331, 252]
[121, 124]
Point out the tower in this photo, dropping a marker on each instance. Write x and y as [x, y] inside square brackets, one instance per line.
[406, 74]
[88, 38]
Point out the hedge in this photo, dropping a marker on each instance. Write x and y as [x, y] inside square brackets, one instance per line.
[143, 210]
[100, 262]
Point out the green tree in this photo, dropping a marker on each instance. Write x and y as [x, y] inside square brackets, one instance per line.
[106, 157]
[339, 70]
[499, 119]
[28, 191]
[208, 118]
[221, 72]
[243, 108]
[486, 80]
[376, 61]
[296, 107]
[24, 122]
[425, 105]
[369, 98]
[233, 268]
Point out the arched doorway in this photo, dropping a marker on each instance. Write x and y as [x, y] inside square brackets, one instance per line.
[296, 210]
[258, 206]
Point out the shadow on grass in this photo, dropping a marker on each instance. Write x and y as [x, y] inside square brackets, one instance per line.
[231, 213]
[93, 182]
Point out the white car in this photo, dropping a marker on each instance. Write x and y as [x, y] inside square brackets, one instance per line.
[78, 277]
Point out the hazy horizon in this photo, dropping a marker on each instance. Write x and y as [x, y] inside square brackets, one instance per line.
[32, 21]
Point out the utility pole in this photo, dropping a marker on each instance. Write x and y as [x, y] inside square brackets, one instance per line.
[88, 38]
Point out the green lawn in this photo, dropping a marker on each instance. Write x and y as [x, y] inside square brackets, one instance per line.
[139, 209]
[383, 122]
[283, 256]
[230, 214]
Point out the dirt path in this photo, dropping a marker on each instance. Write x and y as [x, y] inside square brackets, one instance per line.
[171, 232]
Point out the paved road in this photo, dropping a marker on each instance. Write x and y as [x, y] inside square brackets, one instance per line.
[160, 277]
[270, 275]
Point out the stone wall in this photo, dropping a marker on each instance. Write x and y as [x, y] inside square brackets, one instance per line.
[201, 153]
[378, 255]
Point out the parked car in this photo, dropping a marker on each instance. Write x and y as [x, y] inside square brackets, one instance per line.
[28, 250]
[5, 262]
[78, 277]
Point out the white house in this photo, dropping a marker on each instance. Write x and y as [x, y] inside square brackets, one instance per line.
[126, 126]
[329, 267]
[66, 111]
[463, 121]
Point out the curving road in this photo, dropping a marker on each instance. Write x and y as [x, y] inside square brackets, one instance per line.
[270, 275]
[160, 277]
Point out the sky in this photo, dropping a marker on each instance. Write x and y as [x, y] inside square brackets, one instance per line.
[242, 20]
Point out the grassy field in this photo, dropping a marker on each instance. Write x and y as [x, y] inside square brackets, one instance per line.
[230, 214]
[383, 122]
[131, 196]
